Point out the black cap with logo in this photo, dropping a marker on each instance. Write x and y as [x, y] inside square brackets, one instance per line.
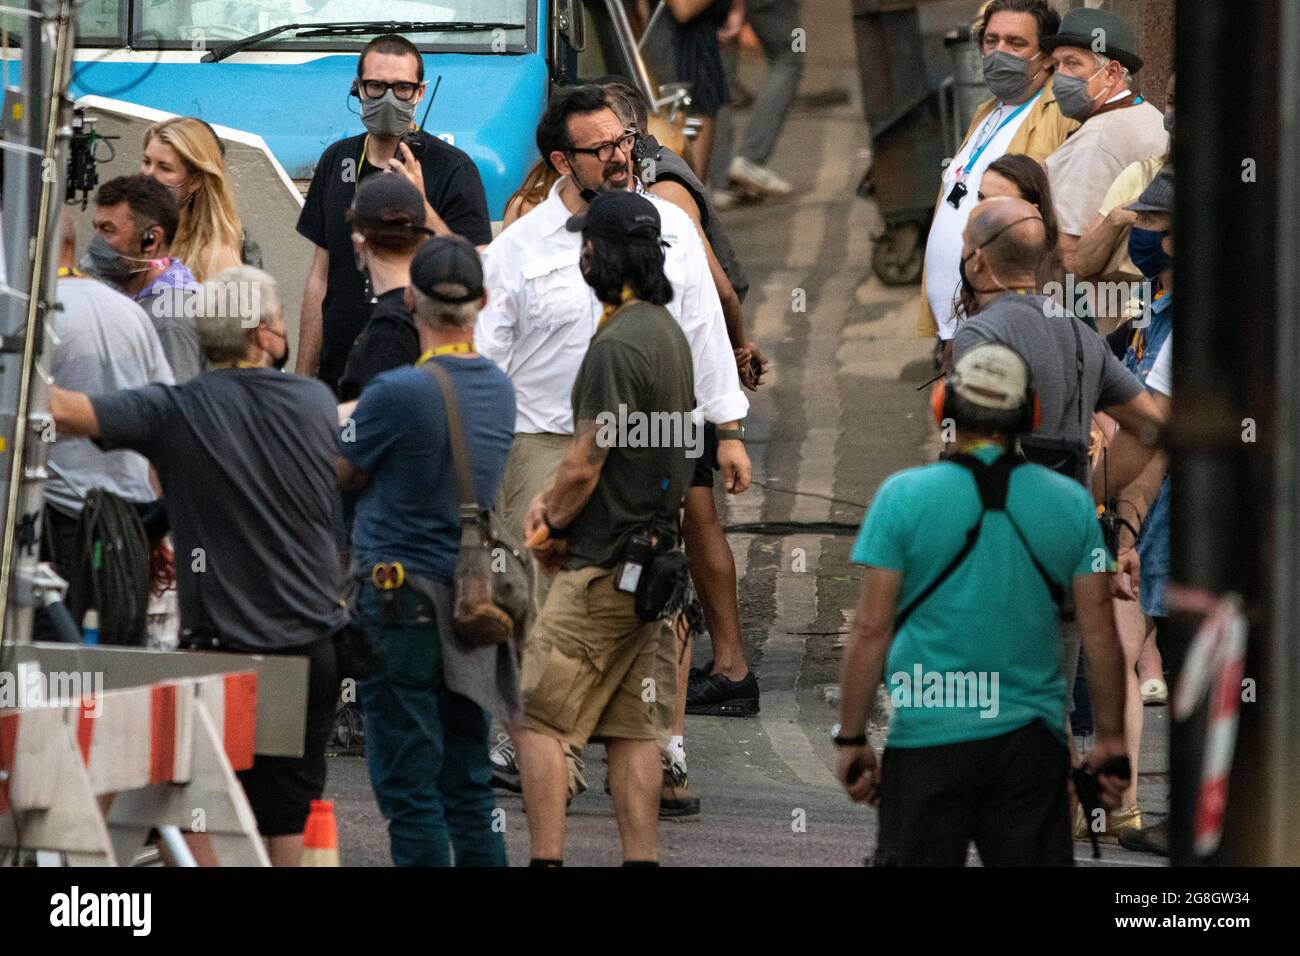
[619, 217]
[388, 201]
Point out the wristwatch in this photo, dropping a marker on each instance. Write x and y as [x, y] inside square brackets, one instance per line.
[859, 741]
[732, 434]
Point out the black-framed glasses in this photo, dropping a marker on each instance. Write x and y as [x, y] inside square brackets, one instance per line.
[605, 151]
[374, 89]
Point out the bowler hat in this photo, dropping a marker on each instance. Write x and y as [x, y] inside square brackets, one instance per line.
[1099, 31]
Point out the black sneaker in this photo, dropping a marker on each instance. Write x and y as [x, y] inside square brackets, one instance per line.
[348, 735]
[1154, 839]
[675, 799]
[715, 696]
[505, 765]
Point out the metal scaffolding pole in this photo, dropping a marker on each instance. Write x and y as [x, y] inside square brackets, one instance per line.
[35, 139]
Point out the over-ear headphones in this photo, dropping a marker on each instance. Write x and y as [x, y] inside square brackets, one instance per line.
[1031, 408]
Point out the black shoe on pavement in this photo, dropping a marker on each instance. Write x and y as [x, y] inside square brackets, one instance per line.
[675, 799]
[714, 695]
[1154, 839]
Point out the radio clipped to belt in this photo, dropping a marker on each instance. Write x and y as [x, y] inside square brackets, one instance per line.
[388, 579]
[655, 574]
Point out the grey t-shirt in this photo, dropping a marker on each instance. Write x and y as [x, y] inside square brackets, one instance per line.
[169, 301]
[662, 163]
[246, 460]
[101, 342]
[1034, 327]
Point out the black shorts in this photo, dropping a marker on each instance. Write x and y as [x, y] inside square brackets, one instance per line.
[707, 463]
[1008, 794]
[281, 789]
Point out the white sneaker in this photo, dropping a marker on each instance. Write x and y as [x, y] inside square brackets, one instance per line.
[1154, 691]
[723, 199]
[757, 178]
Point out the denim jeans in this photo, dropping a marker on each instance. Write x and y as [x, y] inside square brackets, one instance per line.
[426, 747]
[1153, 550]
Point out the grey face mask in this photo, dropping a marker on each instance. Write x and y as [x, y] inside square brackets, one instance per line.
[1007, 76]
[1072, 95]
[104, 262]
[1169, 122]
[387, 116]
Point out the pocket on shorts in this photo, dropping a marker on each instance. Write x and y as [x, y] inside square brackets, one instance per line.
[555, 683]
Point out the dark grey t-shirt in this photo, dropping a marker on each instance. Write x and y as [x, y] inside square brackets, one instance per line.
[1047, 342]
[662, 163]
[636, 382]
[246, 460]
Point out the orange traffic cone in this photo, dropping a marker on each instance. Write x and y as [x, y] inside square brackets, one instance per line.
[320, 838]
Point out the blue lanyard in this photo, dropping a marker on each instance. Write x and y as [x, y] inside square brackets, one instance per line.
[975, 156]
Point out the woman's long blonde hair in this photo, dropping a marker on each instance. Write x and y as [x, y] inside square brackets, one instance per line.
[208, 219]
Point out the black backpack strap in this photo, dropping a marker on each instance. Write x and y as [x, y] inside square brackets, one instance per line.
[971, 537]
[992, 482]
[1054, 589]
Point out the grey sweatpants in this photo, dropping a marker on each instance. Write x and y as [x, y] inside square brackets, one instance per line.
[774, 21]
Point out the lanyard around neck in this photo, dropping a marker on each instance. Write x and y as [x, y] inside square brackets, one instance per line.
[975, 156]
[464, 347]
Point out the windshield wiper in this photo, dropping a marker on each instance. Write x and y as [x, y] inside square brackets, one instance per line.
[351, 28]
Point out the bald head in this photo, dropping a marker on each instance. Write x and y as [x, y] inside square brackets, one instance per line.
[1010, 233]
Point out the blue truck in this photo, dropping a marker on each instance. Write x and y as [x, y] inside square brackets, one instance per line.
[281, 69]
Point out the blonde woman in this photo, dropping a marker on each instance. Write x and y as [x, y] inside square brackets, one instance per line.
[185, 155]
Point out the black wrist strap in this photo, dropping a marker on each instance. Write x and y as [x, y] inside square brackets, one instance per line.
[557, 534]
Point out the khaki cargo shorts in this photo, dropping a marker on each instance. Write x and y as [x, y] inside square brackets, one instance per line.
[592, 669]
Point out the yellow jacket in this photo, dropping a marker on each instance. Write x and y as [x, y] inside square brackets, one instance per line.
[1040, 135]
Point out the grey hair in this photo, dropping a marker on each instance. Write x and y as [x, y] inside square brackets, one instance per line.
[444, 315]
[1104, 61]
[232, 303]
[981, 420]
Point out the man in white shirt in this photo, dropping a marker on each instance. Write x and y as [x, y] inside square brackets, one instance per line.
[541, 314]
[1018, 74]
[1119, 126]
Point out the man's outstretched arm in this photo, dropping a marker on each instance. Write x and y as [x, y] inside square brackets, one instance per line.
[73, 413]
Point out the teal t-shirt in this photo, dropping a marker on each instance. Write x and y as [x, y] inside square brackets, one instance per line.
[981, 656]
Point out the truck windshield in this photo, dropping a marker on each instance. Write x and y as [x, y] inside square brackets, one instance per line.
[217, 20]
[198, 24]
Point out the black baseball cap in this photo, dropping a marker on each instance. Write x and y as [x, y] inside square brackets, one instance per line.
[619, 217]
[448, 259]
[388, 201]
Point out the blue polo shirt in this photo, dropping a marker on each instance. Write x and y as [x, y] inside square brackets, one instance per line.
[981, 657]
[398, 435]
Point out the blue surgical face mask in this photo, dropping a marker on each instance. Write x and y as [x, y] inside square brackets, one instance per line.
[1146, 249]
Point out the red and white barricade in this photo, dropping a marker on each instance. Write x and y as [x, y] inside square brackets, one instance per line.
[91, 778]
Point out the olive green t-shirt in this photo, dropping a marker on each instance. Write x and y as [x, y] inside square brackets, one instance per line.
[636, 383]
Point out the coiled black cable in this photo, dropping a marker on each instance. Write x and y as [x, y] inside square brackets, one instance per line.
[112, 569]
